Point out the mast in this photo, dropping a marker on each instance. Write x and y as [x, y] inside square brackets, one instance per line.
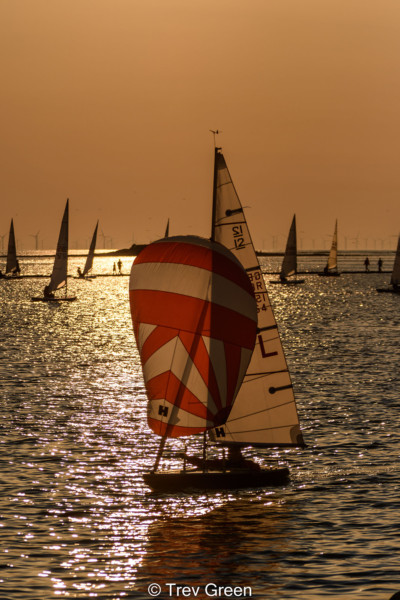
[215, 179]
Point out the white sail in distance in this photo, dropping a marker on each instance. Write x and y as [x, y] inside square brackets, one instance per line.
[59, 274]
[90, 256]
[11, 251]
[395, 278]
[332, 258]
[264, 412]
[289, 264]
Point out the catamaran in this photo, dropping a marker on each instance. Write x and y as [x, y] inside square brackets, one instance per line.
[12, 264]
[289, 263]
[194, 327]
[395, 277]
[89, 260]
[59, 276]
[331, 268]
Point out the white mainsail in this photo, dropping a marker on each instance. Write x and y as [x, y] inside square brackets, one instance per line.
[289, 264]
[395, 278]
[90, 256]
[264, 412]
[332, 258]
[59, 274]
[12, 263]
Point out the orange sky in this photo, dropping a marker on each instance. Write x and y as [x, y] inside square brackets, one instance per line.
[110, 102]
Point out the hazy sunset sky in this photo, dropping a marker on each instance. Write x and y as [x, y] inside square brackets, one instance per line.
[110, 102]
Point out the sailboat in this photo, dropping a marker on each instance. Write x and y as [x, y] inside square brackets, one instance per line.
[89, 260]
[395, 277]
[12, 264]
[261, 412]
[331, 269]
[59, 274]
[289, 263]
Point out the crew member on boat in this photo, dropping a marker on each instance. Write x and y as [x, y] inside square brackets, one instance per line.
[235, 460]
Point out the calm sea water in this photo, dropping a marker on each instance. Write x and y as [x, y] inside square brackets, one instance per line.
[77, 520]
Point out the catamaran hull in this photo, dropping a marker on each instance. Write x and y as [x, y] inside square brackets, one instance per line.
[68, 299]
[181, 481]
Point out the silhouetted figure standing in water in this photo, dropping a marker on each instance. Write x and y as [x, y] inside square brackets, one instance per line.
[366, 263]
[114, 269]
[120, 266]
[380, 263]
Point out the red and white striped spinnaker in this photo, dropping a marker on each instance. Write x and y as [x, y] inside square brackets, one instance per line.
[194, 316]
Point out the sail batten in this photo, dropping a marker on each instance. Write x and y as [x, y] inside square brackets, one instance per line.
[264, 413]
[194, 318]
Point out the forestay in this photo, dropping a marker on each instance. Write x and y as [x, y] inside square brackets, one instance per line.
[194, 317]
[59, 274]
[289, 263]
[264, 412]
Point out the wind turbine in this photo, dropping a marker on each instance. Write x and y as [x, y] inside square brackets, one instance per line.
[103, 235]
[36, 236]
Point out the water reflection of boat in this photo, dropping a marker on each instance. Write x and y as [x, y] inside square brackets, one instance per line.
[189, 550]
[289, 263]
[195, 325]
[59, 275]
[395, 277]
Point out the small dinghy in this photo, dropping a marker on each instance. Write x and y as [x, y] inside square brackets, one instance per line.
[59, 275]
[331, 269]
[395, 277]
[289, 263]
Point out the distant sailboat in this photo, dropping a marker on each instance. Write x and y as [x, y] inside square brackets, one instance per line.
[190, 308]
[12, 265]
[395, 277]
[167, 230]
[89, 260]
[289, 264]
[331, 269]
[59, 274]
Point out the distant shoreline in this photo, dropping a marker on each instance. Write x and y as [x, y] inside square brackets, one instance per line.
[134, 251]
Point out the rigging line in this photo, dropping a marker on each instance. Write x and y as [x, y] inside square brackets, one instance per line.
[219, 223]
[264, 410]
[266, 373]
